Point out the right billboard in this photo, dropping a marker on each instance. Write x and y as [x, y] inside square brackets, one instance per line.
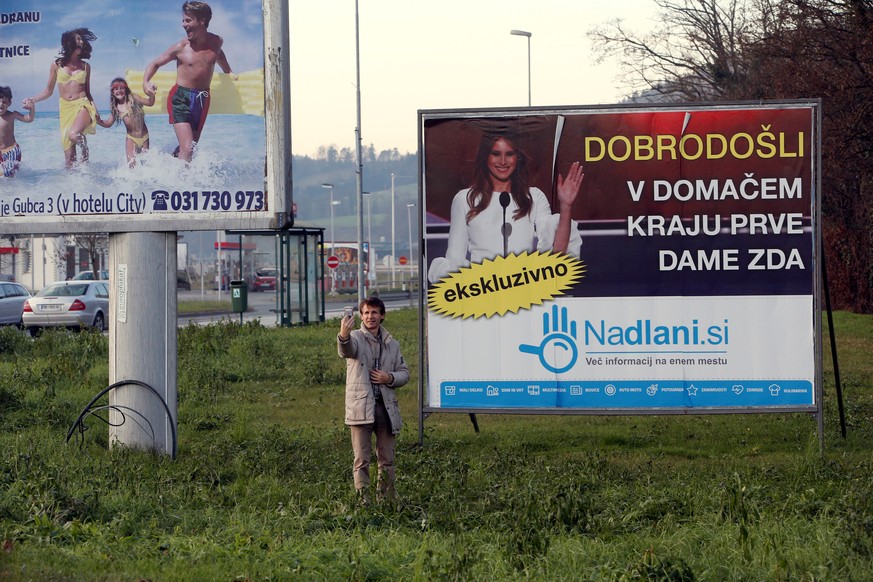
[622, 258]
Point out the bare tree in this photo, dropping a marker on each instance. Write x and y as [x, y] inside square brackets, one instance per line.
[94, 244]
[697, 52]
[778, 49]
[824, 48]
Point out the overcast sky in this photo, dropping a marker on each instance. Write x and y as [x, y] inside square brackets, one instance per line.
[441, 55]
[129, 35]
[413, 55]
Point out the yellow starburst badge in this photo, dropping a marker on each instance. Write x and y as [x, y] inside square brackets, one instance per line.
[495, 287]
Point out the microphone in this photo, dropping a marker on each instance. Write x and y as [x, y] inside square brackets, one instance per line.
[505, 228]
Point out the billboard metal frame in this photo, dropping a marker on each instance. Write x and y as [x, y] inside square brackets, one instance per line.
[425, 410]
[277, 182]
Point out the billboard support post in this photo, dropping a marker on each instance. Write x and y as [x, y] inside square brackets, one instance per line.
[830, 314]
[142, 339]
[277, 107]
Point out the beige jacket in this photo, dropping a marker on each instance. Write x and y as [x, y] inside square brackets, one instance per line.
[361, 350]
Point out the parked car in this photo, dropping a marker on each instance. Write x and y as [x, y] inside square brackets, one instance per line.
[73, 304]
[89, 276]
[265, 279]
[12, 298]
[182, 281]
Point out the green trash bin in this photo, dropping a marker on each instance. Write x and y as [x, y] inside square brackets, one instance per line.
[239, 296]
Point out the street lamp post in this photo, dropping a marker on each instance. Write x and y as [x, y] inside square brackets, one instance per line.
[360, 160]
[371, 265]
[393, 238]
[332, 240]
[528, 35]
[409, 208]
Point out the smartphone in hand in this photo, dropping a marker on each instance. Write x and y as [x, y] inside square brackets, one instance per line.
[348, 311]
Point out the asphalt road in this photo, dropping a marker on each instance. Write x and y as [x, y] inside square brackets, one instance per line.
[263, 306]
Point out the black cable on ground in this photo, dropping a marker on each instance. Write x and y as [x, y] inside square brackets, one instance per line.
[80, 424]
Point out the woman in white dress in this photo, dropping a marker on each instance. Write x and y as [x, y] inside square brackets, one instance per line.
[501, 214]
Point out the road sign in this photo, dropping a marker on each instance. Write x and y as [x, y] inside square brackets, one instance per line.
[333, 261]
[402, 260]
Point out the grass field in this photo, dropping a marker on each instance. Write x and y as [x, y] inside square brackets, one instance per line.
[261, 488]
[196, 306]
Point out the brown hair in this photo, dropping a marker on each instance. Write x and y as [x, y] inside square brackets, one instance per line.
[68, 45]
[199, 10]
[374, 303]
[482, 188]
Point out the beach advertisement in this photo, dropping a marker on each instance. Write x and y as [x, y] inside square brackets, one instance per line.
[656, 258]
[133, 115]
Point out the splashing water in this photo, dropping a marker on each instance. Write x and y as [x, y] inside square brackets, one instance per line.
[230, 156]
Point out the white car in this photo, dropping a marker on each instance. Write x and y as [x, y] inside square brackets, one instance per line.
[73, 304]
[12, 298]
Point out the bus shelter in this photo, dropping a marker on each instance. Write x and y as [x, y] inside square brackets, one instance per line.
[293, 256]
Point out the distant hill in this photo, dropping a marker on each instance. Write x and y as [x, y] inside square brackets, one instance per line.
[338, 167]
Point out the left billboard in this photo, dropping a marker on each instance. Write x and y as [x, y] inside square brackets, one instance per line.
[142, 116]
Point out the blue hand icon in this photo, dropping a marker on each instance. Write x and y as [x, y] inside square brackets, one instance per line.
[560, 333]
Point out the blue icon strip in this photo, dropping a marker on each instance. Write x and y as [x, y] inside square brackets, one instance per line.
[626, 394]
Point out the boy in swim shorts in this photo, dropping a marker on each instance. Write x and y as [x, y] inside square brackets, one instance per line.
[188, 106]
[10, 151]
[196, 56]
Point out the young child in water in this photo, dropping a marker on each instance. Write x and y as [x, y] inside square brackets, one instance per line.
[10, 152]
[125, 106]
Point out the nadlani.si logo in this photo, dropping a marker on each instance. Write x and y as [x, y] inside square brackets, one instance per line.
[558, 351]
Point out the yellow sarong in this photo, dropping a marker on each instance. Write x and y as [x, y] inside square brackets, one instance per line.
[68, 110]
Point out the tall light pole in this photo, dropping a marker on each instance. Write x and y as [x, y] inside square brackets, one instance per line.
[528, 35]
[393, 238]
[332, 241]
[362, 294]
[409, 208]
[371, 270]
[330, 187]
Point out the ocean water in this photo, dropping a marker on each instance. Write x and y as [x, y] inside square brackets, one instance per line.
[230, 156]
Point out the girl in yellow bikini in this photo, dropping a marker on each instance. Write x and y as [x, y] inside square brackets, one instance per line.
[125, 106]
[72, 75]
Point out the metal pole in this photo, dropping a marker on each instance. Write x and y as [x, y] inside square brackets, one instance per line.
[240, 274]
[528, 72]
[371, 271]
[277, 106]
[393, 237]
[332, 241]
[218, 261]
[360, 198]
[14, 257]
[527, 35]
[33, 264]
[143, 340]
[409, 216]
